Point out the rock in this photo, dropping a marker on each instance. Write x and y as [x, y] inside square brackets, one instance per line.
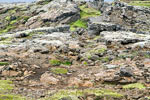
[133, 18]
[21, 35]
[70, 98]
[124, 37]
[87, 84]
[75, 82]
[10, 73]
[64, 14]
[126, 72]
[47, 79]
[111, 66]
[42, 2]
[95, 26]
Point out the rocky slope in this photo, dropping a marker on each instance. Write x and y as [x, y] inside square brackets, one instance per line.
[56, 50]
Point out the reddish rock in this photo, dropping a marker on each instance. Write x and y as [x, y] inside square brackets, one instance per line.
[47, 79]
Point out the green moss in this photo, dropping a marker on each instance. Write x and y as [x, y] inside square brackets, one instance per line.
[5, 86]
[98, 50]
[7, 29]
[77, 93]
[140, 3]
[79, 23]
[134, 85]
[13, 22]
[87, 12]
[5, 40]
[11, 97]
[7, 18]
[26, 18]
[4, 63]
[105, 59]
[67, 63]
[55, 62]
[59, 70]
[85, 63]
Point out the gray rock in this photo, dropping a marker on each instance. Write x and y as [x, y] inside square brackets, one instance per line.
[126, 72]
[111, 66]
[124, 37]
[133, 18]
[54, 13]
[95, 26]
[70, 98]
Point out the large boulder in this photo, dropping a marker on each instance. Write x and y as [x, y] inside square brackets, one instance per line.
[54, 13]
[124, 37]
[133, 18]
[96, 25]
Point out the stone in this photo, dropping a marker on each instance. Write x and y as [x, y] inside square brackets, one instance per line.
[124, 37]
[109, 66]
[132, 18]
[70, 98]
[10, 73]
[48, 79]
[65, 13]
[95, 26]
[126, 72]
[75, 82]
[87, 84]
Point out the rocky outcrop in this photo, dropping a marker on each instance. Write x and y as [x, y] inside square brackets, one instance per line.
[133, 18]
[124, 37]
[54, 13]
[95, 26]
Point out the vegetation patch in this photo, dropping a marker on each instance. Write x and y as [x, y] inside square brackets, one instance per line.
[59, 70]
[79, 23]
[134, 85]
[140, 3]
[85, 13]
[6, 85]
[55, 62]
[11, 97]
[77, 93]
[4, 63]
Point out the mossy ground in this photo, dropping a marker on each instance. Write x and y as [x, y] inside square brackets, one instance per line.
[5, 91]
[85, 13]
[134, 85]
[4, 63]
[59, 70]
[98, 92]
[56, 62]
[140, 3]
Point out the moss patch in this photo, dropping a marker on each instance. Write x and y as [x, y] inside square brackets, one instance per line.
[135, 85]
[79, 23]
[59, 70]
[4, 63]
[5, 91]
[6, 85]
[77, 93]
[11, 97]
[140, 3]
[55, 62]
[85, 12]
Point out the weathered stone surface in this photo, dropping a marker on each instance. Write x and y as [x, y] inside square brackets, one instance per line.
[95, 26]
[55, 13]
[47, 79]
[124, 37]
[133, 18]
